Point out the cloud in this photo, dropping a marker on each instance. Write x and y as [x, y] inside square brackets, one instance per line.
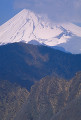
[77, 4]
[57, 10]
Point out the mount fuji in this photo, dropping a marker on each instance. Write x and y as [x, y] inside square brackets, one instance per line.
[32, 28]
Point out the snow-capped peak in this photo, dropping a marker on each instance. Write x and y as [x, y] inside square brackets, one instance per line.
[27, 26]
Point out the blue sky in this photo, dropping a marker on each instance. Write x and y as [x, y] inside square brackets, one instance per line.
[7, 10]
[56, 10]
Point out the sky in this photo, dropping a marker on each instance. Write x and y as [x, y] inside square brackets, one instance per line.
[56, 10]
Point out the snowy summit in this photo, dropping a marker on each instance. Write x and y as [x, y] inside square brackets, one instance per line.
[32, 28]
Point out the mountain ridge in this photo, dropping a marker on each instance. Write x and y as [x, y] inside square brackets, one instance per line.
[26, 63]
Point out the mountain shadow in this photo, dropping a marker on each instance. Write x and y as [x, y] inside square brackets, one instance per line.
[24, 64]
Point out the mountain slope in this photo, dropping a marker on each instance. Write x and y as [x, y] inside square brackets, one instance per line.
[23, 63]
[44, 99]
[27, 26]
[72, 110]
[50, 100]
[12, 97]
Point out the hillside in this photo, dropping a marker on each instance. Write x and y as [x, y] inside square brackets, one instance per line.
[24, 63]
[12, 97]
[53, 99]
[72, 110]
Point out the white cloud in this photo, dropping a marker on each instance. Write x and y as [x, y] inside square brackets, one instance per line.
[58, 10]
